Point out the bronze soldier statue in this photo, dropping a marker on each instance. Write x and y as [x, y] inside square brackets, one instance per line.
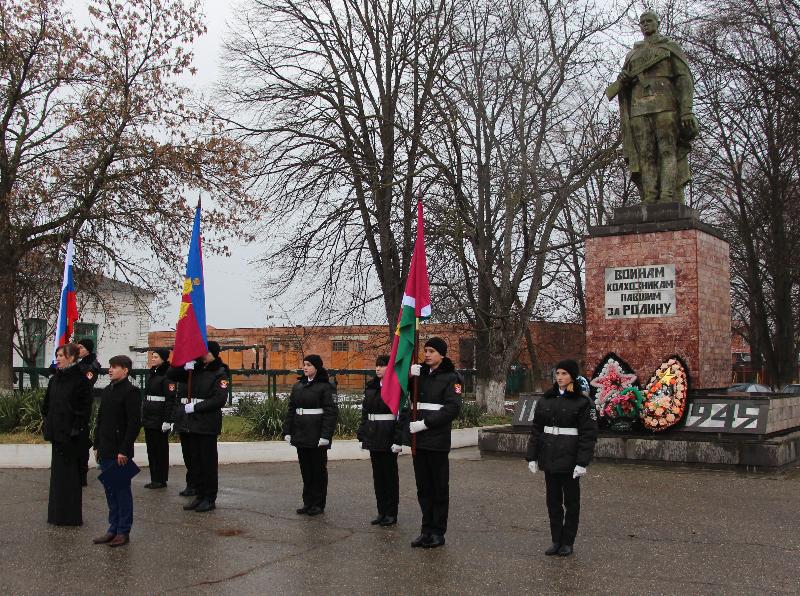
[655, 91]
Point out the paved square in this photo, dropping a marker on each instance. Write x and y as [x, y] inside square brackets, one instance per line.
[644, 530]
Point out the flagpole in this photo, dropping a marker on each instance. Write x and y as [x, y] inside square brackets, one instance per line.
[416, 388]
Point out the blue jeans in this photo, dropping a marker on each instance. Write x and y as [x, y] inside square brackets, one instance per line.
[120, 502]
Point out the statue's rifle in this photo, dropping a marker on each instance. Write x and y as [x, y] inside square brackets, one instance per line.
[614, 88]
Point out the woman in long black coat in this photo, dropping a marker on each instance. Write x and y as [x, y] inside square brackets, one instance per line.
[309, 426]
[66, 409]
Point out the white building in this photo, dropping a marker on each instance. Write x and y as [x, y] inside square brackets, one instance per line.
[117, 320]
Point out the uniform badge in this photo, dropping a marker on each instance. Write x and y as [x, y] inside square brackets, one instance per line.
[457, 388]
[89, 375]
[593, 413]
[171, 387]
[223, 384]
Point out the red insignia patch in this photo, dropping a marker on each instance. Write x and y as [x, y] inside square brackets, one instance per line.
[457, 388]
[171, 386]
[223, 384]
[89, 375]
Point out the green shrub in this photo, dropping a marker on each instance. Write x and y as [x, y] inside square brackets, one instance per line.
[469, 416]
[264, 418]
[20, 411]
[348, 420]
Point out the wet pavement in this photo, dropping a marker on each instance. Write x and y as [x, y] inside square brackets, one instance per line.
[644, 530]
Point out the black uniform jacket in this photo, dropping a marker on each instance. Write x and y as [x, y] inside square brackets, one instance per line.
[210, 392]
[443, 385]
[307, 429]
[154, 413]
[375, 435]
[90, 368]
[118, 419]
[562, 452]
[67, 405]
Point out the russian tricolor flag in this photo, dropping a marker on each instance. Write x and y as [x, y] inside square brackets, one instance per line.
[68, 306]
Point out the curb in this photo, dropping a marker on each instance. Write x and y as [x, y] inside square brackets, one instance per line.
[246, 452]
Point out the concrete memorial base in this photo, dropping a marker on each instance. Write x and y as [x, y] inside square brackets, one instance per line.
[740, 451]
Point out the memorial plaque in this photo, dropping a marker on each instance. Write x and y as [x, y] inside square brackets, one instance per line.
[523, 411]
[641, 291]
[727, 416]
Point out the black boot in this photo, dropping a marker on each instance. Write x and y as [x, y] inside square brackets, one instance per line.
[553, 550]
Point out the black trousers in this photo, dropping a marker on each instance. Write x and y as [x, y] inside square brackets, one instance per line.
[157, 454]
[432, 472]
[191, 467]
[385, 479]
[86, 447]
[563, 506]
[314, 470]
[204, 463]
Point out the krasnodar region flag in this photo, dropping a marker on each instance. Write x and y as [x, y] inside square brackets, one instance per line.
[68, 305]
[415, 308]
[190, 332]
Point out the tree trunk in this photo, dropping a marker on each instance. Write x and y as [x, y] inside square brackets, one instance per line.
[496, 396]
[7, 317]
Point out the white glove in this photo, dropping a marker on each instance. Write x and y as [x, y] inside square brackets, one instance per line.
[166, 427]
[417, 426]
[189, 408]
[578, 471]
[415, 370]
[287, 438]
[533, 467]
[397, 448]
[189, 365]
[323, 443]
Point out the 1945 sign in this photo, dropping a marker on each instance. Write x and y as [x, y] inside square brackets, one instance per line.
[643, 291]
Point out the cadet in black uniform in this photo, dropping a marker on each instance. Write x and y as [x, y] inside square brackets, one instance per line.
[309, 426]
[562, 444]
[90, 368]
[198, 417]
[439, 402]
[377, 434]
[157, 411]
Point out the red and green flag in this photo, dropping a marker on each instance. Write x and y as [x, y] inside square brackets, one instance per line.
[415, 308]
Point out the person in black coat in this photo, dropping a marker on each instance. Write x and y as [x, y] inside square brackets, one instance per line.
[309, 426]
[157, 412]
[90, 368]
[562, 444]
[118, 424]
[198, 419]
[377, 434]
[66, 409]
[439, 403]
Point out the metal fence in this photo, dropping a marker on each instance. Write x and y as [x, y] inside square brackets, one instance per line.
[269, 381]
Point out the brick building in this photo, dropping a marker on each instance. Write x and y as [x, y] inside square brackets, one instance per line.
[355, 347]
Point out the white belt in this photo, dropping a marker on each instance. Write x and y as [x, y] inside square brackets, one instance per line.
[424, 406]
[560, 430]
[186, 401]
[381, 417]
[307, 411]
[156, 398]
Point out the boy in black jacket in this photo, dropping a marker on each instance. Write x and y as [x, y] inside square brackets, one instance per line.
[118, 423]
[562, 444]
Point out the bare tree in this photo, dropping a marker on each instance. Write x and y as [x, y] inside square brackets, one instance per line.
[747, 54]
[99, 143]
[333, 96]
[518, 103]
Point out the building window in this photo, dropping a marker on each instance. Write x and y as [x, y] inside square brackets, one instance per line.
[35, 336]
[275, 346]
[340, 345]
[360, 346]
[86, 331]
